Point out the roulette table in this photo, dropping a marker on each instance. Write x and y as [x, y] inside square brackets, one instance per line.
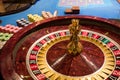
[100, 8]
[38, 52]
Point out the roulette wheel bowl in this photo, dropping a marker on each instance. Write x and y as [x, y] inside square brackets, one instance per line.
[21, 42]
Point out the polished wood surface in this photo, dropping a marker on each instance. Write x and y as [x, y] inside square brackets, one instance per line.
[2, 8]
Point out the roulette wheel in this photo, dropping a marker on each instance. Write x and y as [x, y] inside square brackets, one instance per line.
[38, 52]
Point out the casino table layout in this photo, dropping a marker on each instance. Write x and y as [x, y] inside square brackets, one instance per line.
[39, 51]
[101, 8]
